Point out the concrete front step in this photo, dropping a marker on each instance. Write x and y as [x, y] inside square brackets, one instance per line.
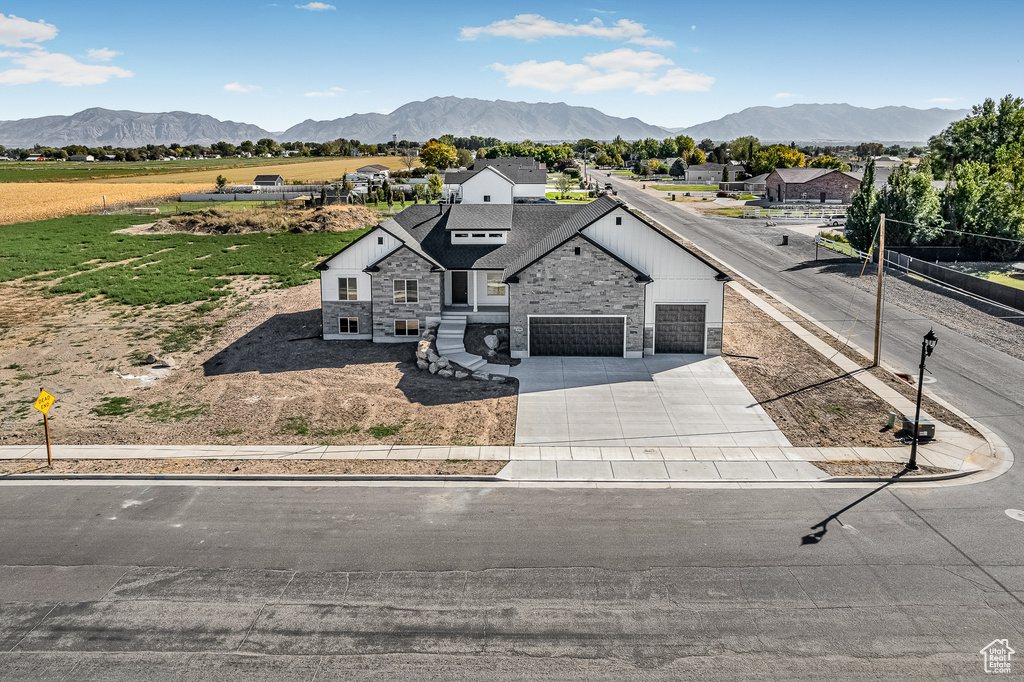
[467, 360]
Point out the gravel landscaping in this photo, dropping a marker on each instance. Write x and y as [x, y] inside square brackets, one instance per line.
[249, 467]
[876, 469]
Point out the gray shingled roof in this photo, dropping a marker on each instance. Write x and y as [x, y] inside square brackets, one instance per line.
[509, 161]
[466, 217]
[799, 175]
[519, 176]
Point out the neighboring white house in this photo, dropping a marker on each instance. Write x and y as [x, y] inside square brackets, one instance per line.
[495, 181]
[711, 173]
[89, 158]
[268, 181]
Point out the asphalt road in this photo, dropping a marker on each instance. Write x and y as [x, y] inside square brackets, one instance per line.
[101, 582]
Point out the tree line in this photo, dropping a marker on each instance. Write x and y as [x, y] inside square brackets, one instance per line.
[981, 158]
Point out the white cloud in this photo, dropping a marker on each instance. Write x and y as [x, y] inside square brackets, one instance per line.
[602, 11]
[102, 55]
[943, 99]
[40, 65]
[533, 27]
[316, 7]
[693, 28]
[238, 87]
[18, 32]
[621, 69]
[784, 95]
[329, 92]
[625, 59]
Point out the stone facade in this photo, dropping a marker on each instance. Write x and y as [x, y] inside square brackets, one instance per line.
[713, 344]
[404, 264]
[563, 283]
[332, 310]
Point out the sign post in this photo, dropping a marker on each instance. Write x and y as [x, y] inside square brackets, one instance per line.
[43, 403]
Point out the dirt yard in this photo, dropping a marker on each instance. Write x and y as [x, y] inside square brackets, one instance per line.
[810, 399]
[252, 372]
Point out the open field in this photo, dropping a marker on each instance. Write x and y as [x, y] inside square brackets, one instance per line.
[51, 171]
[84, 255]
[306, 171]
[29, 201]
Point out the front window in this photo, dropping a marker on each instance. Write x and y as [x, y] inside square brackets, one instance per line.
[347, 289]
[348, 325]
[487, 198]
[495, 287]
[406, 291]
[407, 327]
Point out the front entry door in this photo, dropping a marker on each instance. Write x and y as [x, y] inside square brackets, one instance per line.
[460, 287]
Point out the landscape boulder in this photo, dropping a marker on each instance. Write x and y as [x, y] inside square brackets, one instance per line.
[150, 359]
[497, 378]
[501, 333]
[491, 341]
[446, 373]
[442, 362]
[461, 374]
[481, 376]
[422, 364]
[433, 368]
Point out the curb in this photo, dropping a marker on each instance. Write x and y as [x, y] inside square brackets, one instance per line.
[923, 478]
[249, 477]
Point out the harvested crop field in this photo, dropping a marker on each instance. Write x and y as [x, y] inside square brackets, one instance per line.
[22, 202]
[254, 371]
[312, 171]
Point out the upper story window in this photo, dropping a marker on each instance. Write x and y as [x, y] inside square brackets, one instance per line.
[347, 290]
[487, 198]
[406, 291]
[479, 237]
[618, 220]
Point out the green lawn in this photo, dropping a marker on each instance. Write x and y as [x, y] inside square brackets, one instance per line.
[165, 269]
[686, 188]
[50, 171]
[1001, 273]
[728, 212]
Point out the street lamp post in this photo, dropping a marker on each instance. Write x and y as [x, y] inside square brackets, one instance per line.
[927, 346]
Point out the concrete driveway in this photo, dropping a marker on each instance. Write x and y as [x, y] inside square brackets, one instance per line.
[662, 400]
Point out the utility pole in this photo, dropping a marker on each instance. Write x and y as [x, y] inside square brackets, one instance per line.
[878, 300]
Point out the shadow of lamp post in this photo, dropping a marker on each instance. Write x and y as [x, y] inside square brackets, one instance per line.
[927, 346]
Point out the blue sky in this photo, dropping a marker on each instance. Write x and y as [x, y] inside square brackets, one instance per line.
[671, 64]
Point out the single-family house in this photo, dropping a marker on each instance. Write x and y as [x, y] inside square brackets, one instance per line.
[818, 185]
[496, 181]
[756, 184]
[710, 173]
[888, 161]
[268, 181]
[89, 158]
[375, 172]
[593, 280]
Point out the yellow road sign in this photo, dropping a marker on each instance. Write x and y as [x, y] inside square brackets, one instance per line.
[44, 402]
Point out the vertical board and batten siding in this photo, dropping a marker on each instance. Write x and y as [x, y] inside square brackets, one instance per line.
[678, 276]
[487, 183]
[535, 190]
[352, 261]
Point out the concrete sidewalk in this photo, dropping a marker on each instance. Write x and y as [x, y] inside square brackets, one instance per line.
[555, 464]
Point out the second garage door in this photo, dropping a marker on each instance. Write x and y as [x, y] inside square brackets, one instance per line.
[679, 328]
[593, 336]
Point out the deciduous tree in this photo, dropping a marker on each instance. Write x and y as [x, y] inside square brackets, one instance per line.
[438, 154]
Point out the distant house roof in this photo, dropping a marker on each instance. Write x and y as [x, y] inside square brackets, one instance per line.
[757, 179]
[795, 176]
[372, 168]
[268, 180]
[518, 176]
[715, 167]
[510, 161]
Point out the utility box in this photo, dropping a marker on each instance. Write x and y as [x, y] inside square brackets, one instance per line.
[925, 428]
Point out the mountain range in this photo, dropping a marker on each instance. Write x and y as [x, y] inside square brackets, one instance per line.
[540, 122]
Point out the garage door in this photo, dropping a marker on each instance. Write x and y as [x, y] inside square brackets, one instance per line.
[597, 336]
[679, 329]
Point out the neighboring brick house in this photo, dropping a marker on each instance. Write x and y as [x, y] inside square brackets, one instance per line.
[817, 185]
[593, 279]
